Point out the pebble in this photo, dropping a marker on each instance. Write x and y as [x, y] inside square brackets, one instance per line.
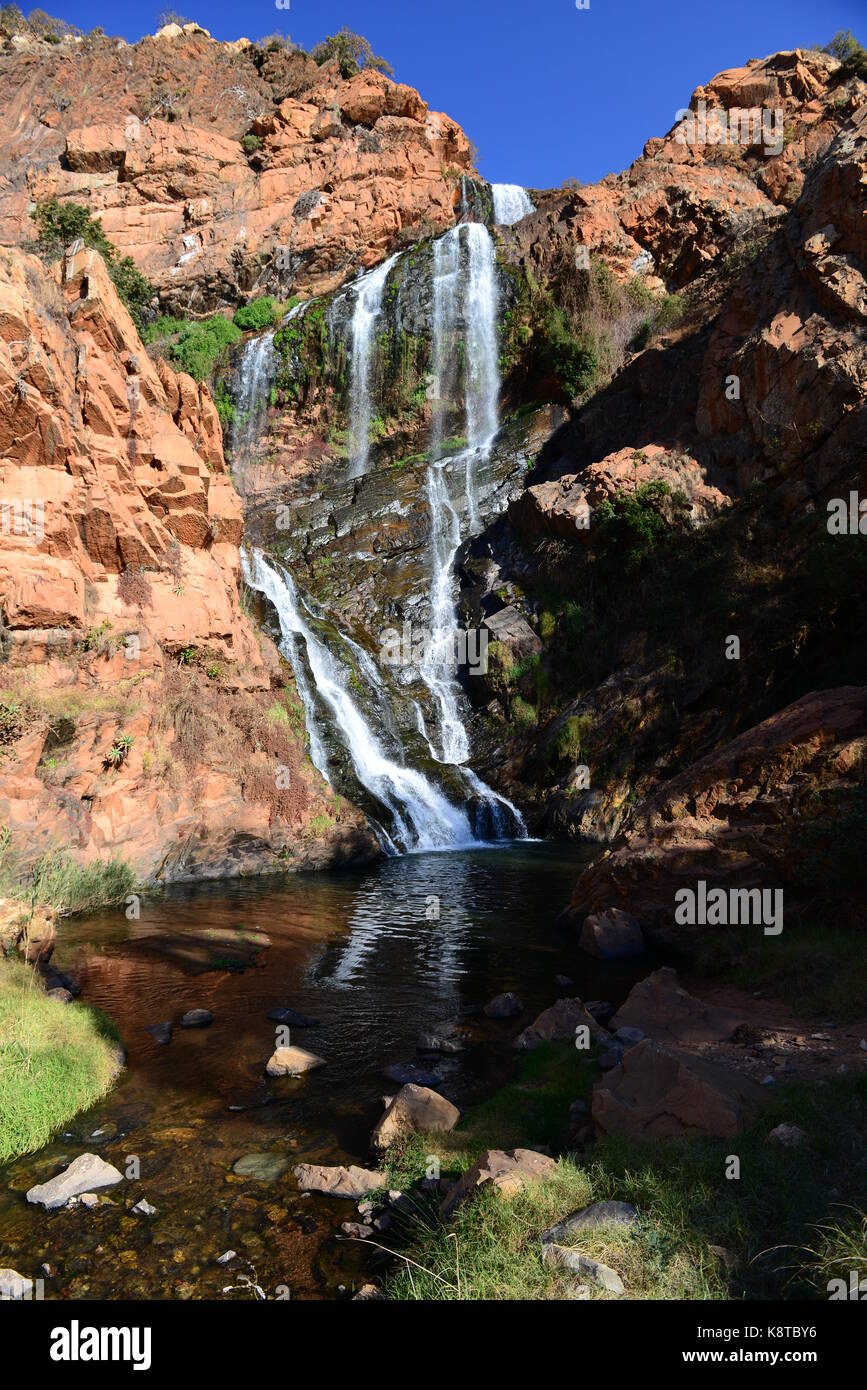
[197, 1018]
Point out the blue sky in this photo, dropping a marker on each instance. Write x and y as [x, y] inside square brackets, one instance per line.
[545, 91]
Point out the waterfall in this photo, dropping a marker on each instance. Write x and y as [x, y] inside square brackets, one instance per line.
[368, 307]
[511, 203]
[464, 293]
[419, 815]
[256, 371]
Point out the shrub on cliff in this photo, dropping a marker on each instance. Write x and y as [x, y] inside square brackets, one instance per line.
[61, 224]
[198, 346]
[352, 51]
[260, 313]
[852, 54]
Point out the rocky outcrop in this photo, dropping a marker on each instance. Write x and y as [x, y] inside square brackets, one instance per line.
[331, 174]
[661, 1093]
[665, 1012]
[135, 690]
[733, 820]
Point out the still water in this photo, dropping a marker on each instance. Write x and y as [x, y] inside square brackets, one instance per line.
[376, 956]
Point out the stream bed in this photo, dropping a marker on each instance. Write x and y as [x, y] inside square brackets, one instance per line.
[366, 955]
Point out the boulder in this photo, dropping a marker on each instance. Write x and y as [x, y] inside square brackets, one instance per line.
[368, 1293]
[611, 935]
[657, 1092]
[599, 1214]
[513, 630]
[351, 1182]
[661, 1009]
[414, 1108]
[292, 1061]
[84, 1174]
[584, 1266]
[14, 1285]
[507, 1172]
[504, 1006]
[558, 1024]
[789, 1135]
[161, 1033]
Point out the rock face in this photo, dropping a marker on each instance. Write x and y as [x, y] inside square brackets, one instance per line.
[731, 819]
[659, 1093]
[149, 137]
[121, 612]
[349, 1182]
[665, 1012]
[507, 1173]
[85, 1173]
[414, 1108]
[558, 1024]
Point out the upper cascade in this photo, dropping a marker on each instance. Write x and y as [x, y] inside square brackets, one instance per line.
[511, 203]
[368, 291]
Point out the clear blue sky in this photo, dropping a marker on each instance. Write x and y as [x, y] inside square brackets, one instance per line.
[546, 91]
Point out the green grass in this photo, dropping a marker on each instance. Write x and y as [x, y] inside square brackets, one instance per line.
[818, 967]
[55, 1060]
[58, 881]
[792, 1214]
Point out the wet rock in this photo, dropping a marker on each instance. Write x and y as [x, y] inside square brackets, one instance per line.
[87, 1199]
[356, 1230]
[349, 1182]
[659, 1093]
[611, 935]
[144, 1208]
[14, 1285]
[660, 1008]
[789, 1135]
[433, 1042]
[408, 1074]
[584, 1266]
[599, 1214]
[264, 1167]
[368, 1293]
[414, 1108]
[226, 1257]
[293, 1061]
[504, 1006]
[601, 1010]
[85, 1173]
[290, 1019]
[197, 1018]
[161, 1033]
[507, 1172]
[558, 1024]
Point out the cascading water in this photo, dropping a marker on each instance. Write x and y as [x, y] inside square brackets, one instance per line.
[256, 372]
[511, 203]
[420, 816]
[464, 292]
[368, 307]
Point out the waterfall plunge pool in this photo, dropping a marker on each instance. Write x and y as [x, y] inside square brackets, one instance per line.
[364, 953]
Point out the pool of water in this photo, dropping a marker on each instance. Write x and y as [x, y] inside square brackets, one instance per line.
[376, 956]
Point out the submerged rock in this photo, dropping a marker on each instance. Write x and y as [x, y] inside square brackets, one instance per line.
[611, 935]
[161, 1033]
[264, 1167]
[408, 1074]
[504, 1006]
[291, 1019]
[87, 1172]
[197, 1018]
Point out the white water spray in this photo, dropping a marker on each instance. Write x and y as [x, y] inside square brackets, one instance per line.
[511, 203]
[368, 307]
[421, 818]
